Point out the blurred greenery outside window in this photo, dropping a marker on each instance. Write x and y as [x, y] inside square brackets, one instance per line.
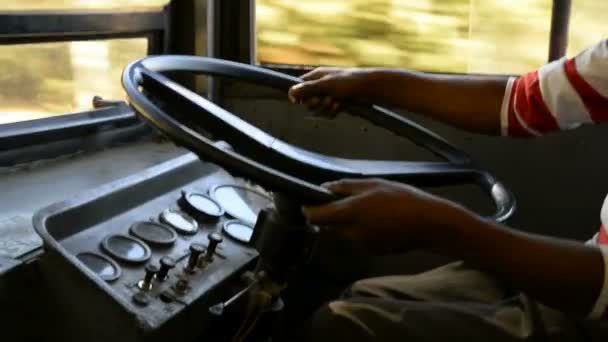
[472, 36]
[47, 79]
[454, 36]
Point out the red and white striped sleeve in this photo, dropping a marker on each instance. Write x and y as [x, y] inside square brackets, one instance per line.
[561, 95]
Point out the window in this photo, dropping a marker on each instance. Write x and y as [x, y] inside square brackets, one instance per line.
[462, 36]
[588, 24]
[40, 80]
[53, 78]
[77, 4]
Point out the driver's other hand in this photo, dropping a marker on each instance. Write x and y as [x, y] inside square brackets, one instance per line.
[323, 88]
[383, 217]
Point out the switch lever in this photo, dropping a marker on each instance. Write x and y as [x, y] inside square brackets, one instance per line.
[166, 264]
[218, 309]
[146, 283]
[214, 240]
[196, 249]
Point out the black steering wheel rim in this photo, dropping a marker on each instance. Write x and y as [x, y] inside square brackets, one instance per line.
[147, 74]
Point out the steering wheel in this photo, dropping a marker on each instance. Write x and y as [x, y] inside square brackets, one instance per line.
[275, 164]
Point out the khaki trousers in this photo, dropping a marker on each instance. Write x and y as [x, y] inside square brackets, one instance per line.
[450, 303]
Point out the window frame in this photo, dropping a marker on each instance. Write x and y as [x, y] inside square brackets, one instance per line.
[62, 26]
[231, 31]
[560, 26]
[46, 138]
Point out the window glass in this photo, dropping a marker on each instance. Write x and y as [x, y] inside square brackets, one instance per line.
[77, 4]
[463, 36]
[588, 24]
[40, 80]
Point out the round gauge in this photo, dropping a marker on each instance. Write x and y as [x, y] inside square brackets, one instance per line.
[241, 202]
[201, 207]
[154, 233]
[238, 230]
[104, 267]
[180, 221]
[126, 248]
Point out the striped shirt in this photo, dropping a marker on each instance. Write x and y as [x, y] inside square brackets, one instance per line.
[563, 95]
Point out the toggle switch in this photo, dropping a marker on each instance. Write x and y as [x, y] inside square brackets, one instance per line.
[146, 283]
[166, 265]
[196, 250]
[214, 240]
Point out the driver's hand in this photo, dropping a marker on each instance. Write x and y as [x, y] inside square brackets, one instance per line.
[323, 88]
[384, 217]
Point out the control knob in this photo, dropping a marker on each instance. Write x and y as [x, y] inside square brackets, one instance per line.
[146, 283]
[214, 240]
[196, 249]
[166, 264]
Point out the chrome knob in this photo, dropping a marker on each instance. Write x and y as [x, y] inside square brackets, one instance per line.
[146, 283]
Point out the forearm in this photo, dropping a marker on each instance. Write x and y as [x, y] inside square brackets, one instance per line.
[469, 102]
[559, 273]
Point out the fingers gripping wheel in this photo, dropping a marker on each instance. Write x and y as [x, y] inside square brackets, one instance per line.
[146, 86]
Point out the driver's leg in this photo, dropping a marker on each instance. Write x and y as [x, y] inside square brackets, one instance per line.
[452, 282]
[379, 319]
[452, 302]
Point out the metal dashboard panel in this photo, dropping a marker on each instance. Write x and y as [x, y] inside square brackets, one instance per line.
[96, 309]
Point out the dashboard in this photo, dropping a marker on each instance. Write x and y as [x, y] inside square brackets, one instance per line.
[145, 257]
